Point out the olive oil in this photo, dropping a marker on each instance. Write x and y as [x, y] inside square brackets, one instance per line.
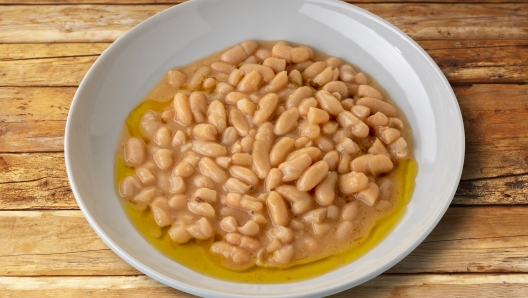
[195, 254]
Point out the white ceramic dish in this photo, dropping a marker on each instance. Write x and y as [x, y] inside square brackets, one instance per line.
[131, 66]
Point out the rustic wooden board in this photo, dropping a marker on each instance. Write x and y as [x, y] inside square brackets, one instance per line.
[475, 239]
[383, 286]
[463, 62]
[75, 23]
[60, 2]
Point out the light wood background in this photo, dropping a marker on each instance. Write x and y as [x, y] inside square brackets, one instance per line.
[480, 248]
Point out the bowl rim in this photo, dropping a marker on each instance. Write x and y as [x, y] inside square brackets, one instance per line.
[68, 148]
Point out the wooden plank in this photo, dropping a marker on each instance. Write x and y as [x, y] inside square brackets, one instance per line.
[50, 50]
[468, 239]
[75, 23]
[496, 129]
[39, 181]
[33, 119]
[385, 285]
[123, 2]
[34, 181]
[465, 61]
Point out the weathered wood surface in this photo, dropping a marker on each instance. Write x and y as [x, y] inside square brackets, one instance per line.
[476, 239]
[104, 23]
[384, 286]
[463, 62]
[59, 2]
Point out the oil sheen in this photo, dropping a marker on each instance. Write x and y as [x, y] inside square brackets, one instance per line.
[195, 255]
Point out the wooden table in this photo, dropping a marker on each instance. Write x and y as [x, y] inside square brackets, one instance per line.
[480, 248]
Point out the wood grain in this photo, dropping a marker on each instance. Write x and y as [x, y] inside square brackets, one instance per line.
[123, 2]
[462, 62]
[33, 119]
[385, 285]
[476, 239]
[75, 23]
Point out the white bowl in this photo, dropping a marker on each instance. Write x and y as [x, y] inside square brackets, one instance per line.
[133, 64]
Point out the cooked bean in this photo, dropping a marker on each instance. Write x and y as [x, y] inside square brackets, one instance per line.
[163, 137]
[325, 190]
[378, 148]
[329, 103]
[398, 149]
[235, 185]
[205, 194]
[239, 52]
[177, 185]
[266, 106]
[277, 209]
[347, 73]
[192, 159]
[234, 97]
[261, 162]
[291, 170]
[145, 176]
[296, 97]
[378, 119]
[250, 82]
[229, 137]
[314, 69]
[207, 148]
[250, 203]
[347, 146]
[178, 201]
[337, 86]
[276, 64]
[183, 110]
[222, 67]
[279, 151]
[179, 234]
[317, 116]
[229, 224]
[347, 104]
[278, 82]
[237, 119]
[210, 169]
[198, 106]
[284, 255]
[330, 127]
[295, 77]
[224, 161]
[324, 143]
[176, 78]
[332, 159]
[247, 144]
[161, 212]
[358, 127]
[263, 54]
[273, 179]
[250, 228]
[389, 135]
[243, 241]
[163, 158]
[344, 163]
[321, 228]
[395, 123]
[265, 71]
[179, 139]
[242, 159]
[309, 130]
[369, 195]
[205, 132]
[198, 77]
[361, 79]
[134, 151]
[286, 122]
[352, 182]
[361, 112]
[216, 115]
[266, 135]
[332, 212]
[201, 208]
[368, 91]
[306, 104]
[373, 164]
[145, 196]
[246, 106]
[383, 205]
[376, 105]
[244, 174]
[302, 142]
[324, 77]
[312, 176]
[184, 170]
[316, 215]
[221, 90]
[350, 211]
[301, 201]
[313, 152]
